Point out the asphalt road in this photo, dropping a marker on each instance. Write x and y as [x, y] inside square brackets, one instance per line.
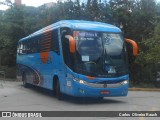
[14, 97]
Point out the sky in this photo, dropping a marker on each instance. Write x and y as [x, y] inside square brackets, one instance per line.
[35, 3]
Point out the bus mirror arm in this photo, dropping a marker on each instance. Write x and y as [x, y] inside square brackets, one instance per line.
[134, 46]
[72, 43]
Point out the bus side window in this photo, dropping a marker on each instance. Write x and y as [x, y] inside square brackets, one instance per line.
[31, 46]
[36, 45]
[64, 40]
[55, 42]
[65, 47]
[24, 48]
[28, 47]
[19, 48]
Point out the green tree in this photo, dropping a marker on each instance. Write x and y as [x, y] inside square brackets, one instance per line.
[30, 20]
[122, 12]
[144, 18]
[11, 32]
[153, 43]
[136, 18]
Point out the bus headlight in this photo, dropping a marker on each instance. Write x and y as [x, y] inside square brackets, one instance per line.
[125, 82]
[79, 81]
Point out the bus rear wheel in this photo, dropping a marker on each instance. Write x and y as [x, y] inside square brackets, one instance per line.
[24, 80]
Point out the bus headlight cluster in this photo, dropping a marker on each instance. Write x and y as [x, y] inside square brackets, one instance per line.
[79, 81]
[76, 79]
[125, 82]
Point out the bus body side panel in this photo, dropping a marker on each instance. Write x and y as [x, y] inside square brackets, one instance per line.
[37, 71]
[48, 70]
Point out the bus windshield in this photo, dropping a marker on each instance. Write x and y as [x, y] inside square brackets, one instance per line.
[100, 54]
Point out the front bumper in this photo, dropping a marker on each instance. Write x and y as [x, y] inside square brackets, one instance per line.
[98, 90]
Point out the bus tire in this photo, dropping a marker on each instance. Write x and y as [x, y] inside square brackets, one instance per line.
[24, 80]
[57, 91]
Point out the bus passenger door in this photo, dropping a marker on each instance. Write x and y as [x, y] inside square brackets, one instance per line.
[66, 56]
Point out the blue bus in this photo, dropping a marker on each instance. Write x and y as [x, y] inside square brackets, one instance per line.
[77, 58]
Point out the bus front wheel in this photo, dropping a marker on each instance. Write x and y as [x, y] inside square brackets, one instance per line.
[57, 90]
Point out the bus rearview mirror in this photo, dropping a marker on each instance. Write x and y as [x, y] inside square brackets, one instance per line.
[72, 43]
[134, 46]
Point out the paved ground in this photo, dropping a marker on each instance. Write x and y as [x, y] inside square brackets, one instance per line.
[14, 97]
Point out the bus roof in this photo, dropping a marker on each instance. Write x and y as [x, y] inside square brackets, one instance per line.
[89, 25]
[78, 25]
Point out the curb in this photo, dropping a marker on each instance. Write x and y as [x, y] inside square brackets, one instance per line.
[145, 89]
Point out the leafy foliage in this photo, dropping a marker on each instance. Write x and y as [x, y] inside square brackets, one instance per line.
[138, 19]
